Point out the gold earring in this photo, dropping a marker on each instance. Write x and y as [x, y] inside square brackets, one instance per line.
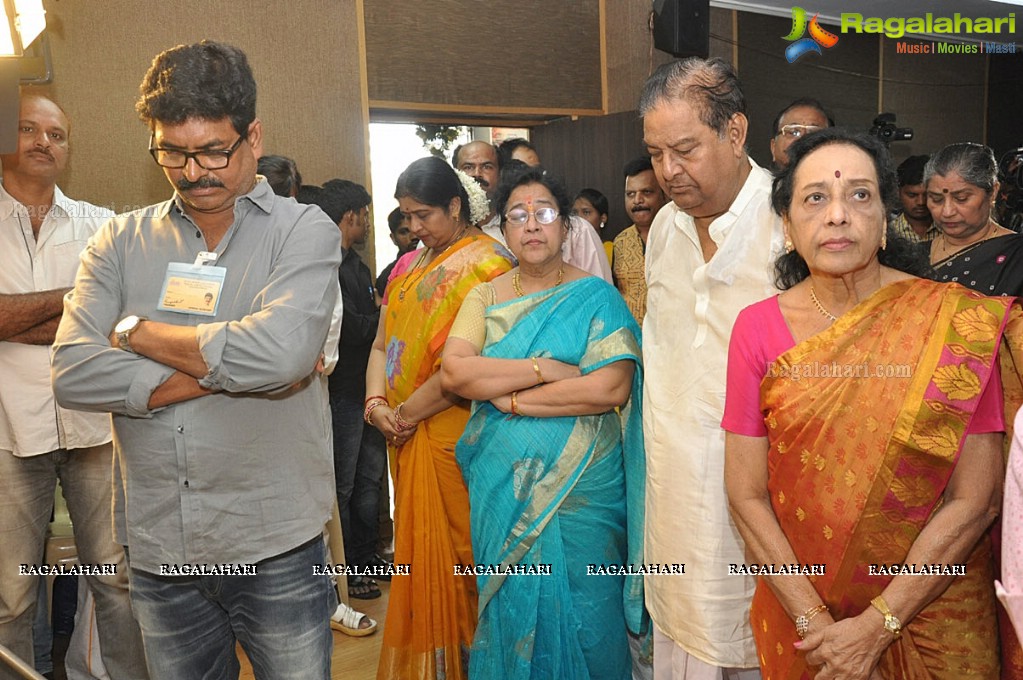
[788, 246]
[884, 239]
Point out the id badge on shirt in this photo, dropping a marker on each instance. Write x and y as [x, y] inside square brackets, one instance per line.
[192, 289]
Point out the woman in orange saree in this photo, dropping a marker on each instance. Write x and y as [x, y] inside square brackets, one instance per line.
[864, 447]
[431, 613]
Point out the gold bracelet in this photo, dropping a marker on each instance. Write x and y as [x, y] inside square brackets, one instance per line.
[515, 404]
[536, 369]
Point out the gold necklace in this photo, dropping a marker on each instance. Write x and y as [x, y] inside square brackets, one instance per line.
[820, 308]
[419, 261]
[517, 281]
[408, 277]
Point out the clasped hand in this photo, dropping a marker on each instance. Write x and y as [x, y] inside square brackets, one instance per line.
[383, 419]
[846, 650]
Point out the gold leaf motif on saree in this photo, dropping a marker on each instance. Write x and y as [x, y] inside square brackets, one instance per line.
[976, 324]
[959, 381]
[938, 439]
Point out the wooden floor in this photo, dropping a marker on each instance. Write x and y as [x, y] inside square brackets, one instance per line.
[354, 658]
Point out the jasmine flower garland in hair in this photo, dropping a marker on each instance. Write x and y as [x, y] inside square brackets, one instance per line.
[479, 204]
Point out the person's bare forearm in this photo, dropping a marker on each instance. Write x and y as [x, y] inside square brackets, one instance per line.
[40, 334]
[174, 346]
[177, 388]
[597, 392]
[20, 313]
[428, 400]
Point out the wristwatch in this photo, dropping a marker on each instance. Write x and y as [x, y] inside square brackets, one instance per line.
[891, 622]
[124, 328]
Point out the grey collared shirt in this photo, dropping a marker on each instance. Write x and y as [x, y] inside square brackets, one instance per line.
[242, 474]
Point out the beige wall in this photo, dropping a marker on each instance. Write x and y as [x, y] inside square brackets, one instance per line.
[305, 55]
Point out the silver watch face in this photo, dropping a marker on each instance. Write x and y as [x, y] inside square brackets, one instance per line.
[126, 324]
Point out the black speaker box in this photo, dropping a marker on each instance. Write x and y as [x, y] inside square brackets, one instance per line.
[682, 27]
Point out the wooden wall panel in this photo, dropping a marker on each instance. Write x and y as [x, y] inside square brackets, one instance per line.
[844, 78]
[510, 54]
[591, 152]
[940, 96]
[304, 54]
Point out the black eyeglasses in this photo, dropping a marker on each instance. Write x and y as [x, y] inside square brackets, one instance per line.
[521, 215]
[207, 159]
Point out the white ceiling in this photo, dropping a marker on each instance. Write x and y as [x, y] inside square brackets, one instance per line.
[830, 11]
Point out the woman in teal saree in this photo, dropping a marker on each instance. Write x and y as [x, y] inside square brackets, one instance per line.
[552, 454]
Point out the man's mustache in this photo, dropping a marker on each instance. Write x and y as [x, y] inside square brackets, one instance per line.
[640, 208]
[482, 182]
[204, 182]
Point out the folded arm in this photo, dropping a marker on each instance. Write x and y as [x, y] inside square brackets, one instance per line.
[280, 343]
[597, 392]
[466, 373]
[31, 318]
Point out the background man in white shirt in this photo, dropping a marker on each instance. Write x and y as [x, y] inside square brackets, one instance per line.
[41, 234]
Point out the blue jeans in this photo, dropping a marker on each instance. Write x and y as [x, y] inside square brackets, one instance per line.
[360, 463]
[281, 617]
[27, 487]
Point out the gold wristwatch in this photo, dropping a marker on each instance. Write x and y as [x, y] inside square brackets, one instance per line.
[891, 622]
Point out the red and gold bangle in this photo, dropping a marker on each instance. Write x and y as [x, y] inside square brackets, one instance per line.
[370, 405]
[402, 424]
[515, 404]
[375, 396]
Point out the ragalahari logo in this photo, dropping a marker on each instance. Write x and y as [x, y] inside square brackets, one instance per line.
[818, 36]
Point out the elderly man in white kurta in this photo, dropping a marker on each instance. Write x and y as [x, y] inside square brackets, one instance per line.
[710, 253]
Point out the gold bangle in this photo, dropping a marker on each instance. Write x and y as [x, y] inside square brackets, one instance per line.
[536, 369]
[515, 404]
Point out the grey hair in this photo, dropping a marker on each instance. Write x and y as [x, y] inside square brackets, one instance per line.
[710, 85]
[975, 163]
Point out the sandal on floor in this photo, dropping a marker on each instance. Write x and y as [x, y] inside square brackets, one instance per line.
[349, 622]
[381, 565]
[363, 588]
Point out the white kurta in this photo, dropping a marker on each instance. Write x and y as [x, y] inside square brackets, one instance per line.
[691, 307]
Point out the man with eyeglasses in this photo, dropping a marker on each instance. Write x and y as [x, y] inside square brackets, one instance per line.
[799, 118]
[42, 232]
[224, 469]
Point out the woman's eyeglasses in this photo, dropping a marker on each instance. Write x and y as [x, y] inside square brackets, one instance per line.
[521, 215]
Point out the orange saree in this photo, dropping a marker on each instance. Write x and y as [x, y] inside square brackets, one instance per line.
[431, 614]
[860, 456]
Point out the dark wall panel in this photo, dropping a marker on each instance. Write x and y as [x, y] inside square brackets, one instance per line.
[940, 96]
[500, 53]
[591, 152]
[844, 78]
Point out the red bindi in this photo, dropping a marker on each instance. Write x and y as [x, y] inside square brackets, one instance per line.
[838, 173]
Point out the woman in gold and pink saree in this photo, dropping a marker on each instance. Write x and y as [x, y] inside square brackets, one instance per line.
[864, 449]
